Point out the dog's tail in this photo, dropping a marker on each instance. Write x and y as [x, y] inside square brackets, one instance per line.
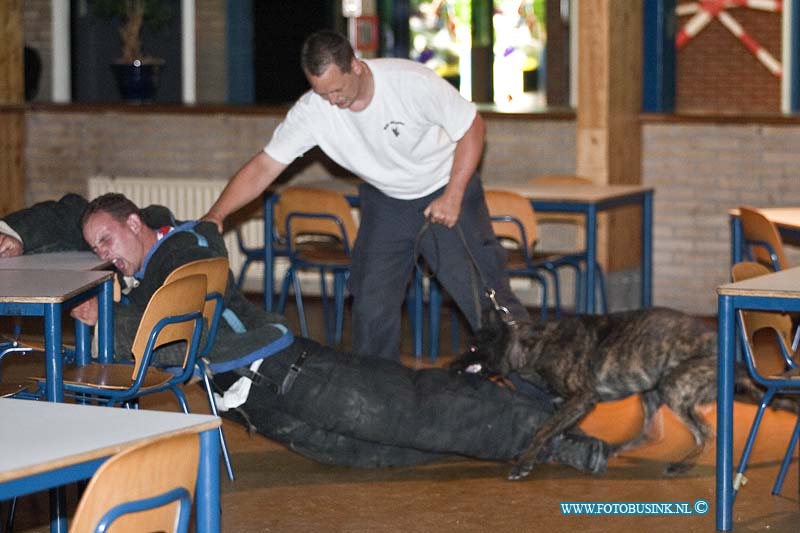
[749, 390]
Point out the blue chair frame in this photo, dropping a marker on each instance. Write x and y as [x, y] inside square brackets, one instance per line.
[180, 495]
[774, 385]
[340, 274]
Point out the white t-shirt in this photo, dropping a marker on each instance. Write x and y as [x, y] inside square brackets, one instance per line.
[402, 143]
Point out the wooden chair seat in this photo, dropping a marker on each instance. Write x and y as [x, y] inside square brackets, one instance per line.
[11, 388]
[515, 258]
[322, 252]
[113, 376]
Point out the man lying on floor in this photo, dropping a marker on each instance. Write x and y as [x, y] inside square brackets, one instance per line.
[331, 406]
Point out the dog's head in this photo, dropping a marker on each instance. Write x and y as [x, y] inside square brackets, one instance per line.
[494, 349]
[487, 355]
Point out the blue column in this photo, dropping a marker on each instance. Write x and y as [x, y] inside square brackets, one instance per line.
[658, 56]
[239, 37]
[792, 70]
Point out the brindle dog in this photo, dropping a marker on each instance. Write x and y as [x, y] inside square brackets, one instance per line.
[665, 355]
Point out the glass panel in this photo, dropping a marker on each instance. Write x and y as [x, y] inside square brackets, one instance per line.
[441, 38]
[519, 50]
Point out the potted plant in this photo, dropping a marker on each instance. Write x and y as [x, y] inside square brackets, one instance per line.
[137, 74]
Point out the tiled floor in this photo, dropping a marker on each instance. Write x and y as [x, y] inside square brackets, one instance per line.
[277, 490]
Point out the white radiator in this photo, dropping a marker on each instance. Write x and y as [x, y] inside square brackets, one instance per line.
[189, 199]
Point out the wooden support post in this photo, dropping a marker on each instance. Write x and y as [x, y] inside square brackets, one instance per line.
[12, 111]
[609, 103]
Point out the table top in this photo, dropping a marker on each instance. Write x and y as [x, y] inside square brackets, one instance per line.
[571, 193]
[43, 436]
[788, 217]
[71, 260]
[47, 286]
[783, 284]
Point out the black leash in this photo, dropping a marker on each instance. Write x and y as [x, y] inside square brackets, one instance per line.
[488, 291]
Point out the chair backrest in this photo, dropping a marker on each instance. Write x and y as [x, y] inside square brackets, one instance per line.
[216, 272]
[152, 469]
[183, 297]
[316, 201]
[761, 235]
[510, 204]
[767, 358]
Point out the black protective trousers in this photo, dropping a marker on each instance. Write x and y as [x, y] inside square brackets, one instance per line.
[370, 412]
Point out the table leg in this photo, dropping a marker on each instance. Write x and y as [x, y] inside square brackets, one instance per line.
[105, 333]
[207, 493]
[647, 249]
[58, 506]
[54, 389]
[83, 350]
[54, 386]
[591, 258]
[726, 332]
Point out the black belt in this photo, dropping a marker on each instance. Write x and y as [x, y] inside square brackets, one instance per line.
[260, 379]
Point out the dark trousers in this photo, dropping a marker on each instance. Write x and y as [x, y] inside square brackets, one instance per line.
[384, 258]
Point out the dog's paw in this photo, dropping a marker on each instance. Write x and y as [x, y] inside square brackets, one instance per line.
[520, 471]
[676, 469]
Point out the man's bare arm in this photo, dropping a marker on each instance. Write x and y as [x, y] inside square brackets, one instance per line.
[248, 182]
[446, 208]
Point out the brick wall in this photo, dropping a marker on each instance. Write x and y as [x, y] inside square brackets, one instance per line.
[699, 170]
[715, 72]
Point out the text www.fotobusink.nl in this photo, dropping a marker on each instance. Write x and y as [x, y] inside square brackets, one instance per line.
[698, 507]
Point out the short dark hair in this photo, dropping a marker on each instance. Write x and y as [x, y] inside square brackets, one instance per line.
[119, 206]
[323, 49]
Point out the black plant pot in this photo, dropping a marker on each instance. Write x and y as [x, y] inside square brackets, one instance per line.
[137, 81]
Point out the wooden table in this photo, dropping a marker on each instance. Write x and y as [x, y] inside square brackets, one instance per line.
[54, 444]
[71, 260]
[584, 199]
[779, 291]
[47, 293]
[589, 200]
[786, 219]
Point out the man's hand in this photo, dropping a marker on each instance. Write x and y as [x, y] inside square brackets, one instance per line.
[444, 210]
[214, 218]
[9, 246]
[86, 312]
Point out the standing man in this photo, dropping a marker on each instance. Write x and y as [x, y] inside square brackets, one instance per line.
[416, 143]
